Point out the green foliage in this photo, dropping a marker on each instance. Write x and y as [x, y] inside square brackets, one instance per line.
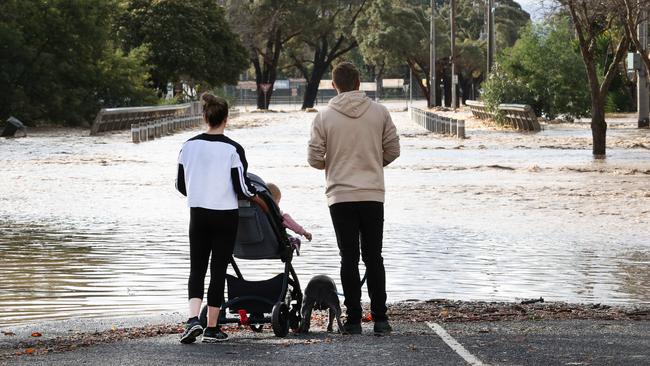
[500, 87]
[58, 63]
[392, 32]
[545, 70]
[126, 78]
[620, 97]
[189, 41]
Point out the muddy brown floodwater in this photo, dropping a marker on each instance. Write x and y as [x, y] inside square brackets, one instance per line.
[92, 226]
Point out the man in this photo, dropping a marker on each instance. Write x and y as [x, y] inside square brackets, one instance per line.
[353, 139]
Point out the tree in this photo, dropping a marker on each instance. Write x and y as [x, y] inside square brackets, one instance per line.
[397, 32]
[190, 42]
[59, 63]
[265, 27]
[597, 21]
[546, 65]
[391, 33]
[326, 36]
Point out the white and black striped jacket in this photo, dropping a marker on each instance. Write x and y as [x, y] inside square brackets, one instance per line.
[212, 172]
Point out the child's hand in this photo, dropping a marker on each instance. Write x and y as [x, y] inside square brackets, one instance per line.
[308, 236]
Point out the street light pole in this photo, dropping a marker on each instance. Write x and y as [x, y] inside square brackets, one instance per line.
[454, 77]
[642, 76]
[490, 36]
[432, 57]
[410, 86]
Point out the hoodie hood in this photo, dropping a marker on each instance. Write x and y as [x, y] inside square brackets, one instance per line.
[352, 104]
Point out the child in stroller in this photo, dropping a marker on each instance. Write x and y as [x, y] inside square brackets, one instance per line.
[261, 235]
[287, 221]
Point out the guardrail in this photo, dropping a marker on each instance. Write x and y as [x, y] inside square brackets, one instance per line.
[113, 119]
[147, 131]
[141, 132]
[518, 116]
[437, 123]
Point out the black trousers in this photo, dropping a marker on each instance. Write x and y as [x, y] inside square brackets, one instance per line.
[359, 230]
[211, 232]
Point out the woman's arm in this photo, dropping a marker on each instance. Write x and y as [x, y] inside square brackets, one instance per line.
[180, 180]
[180, 175]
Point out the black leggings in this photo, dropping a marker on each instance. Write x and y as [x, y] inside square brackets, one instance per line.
[211, 231]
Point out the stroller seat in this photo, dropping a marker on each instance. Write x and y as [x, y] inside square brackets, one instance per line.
[260, 235]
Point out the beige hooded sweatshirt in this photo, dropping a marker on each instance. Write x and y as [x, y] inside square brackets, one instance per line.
[353, 139]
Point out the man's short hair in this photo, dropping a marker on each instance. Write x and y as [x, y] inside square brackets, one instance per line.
[345, 76]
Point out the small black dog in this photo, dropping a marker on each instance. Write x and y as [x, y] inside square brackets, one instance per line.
[321, 294]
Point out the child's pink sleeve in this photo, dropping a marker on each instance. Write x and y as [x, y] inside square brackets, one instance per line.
[290, 224]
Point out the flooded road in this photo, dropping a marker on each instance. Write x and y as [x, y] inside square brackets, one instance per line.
[92, 226]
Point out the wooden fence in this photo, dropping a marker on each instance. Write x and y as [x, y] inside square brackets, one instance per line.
[517, 116]
[437, 123]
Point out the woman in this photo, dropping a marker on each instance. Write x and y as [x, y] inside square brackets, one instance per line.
[211, 173]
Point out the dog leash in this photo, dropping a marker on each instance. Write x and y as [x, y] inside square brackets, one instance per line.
[363, 280]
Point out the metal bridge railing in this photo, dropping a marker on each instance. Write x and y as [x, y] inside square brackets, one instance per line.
[437, 123]
[517, 116]
[113, 119]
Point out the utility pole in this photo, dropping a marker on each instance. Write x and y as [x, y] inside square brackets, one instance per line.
[642, 76]
[432, 57]
[490, 36]
[410, 86]
[454, 77]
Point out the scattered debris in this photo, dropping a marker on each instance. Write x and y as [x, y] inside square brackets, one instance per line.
[532, 301]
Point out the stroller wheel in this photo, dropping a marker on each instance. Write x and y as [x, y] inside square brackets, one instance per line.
[280, 319]
[294, 318]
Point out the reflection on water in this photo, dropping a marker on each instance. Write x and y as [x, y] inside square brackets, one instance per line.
[91, 226]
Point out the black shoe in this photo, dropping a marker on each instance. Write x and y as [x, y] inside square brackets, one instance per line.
[349, 328]
[193, 329]
[214, 335]
[382, 328]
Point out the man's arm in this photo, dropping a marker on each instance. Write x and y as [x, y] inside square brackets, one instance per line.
[390, 141]
[317, 144]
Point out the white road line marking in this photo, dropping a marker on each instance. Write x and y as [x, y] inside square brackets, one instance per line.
[457, 347]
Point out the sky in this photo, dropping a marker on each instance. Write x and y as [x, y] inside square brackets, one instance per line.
[532, 7]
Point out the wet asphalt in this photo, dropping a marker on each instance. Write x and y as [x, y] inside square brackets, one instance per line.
[567, 342]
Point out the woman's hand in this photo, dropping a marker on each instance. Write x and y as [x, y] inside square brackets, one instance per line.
[307, 235]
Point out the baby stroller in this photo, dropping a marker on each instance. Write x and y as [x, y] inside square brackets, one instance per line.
[276, 300]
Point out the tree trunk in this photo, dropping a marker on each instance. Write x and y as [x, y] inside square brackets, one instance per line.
[447, 83]
[418, 79]
[440, 72]
[311, 90]
[598, 127]
[263, 101]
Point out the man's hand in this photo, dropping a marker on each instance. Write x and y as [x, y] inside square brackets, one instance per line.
[308, 235]
[260, 202]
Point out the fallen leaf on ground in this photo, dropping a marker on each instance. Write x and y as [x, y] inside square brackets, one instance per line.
[29, 351]
[36, 334]
[8, 333]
